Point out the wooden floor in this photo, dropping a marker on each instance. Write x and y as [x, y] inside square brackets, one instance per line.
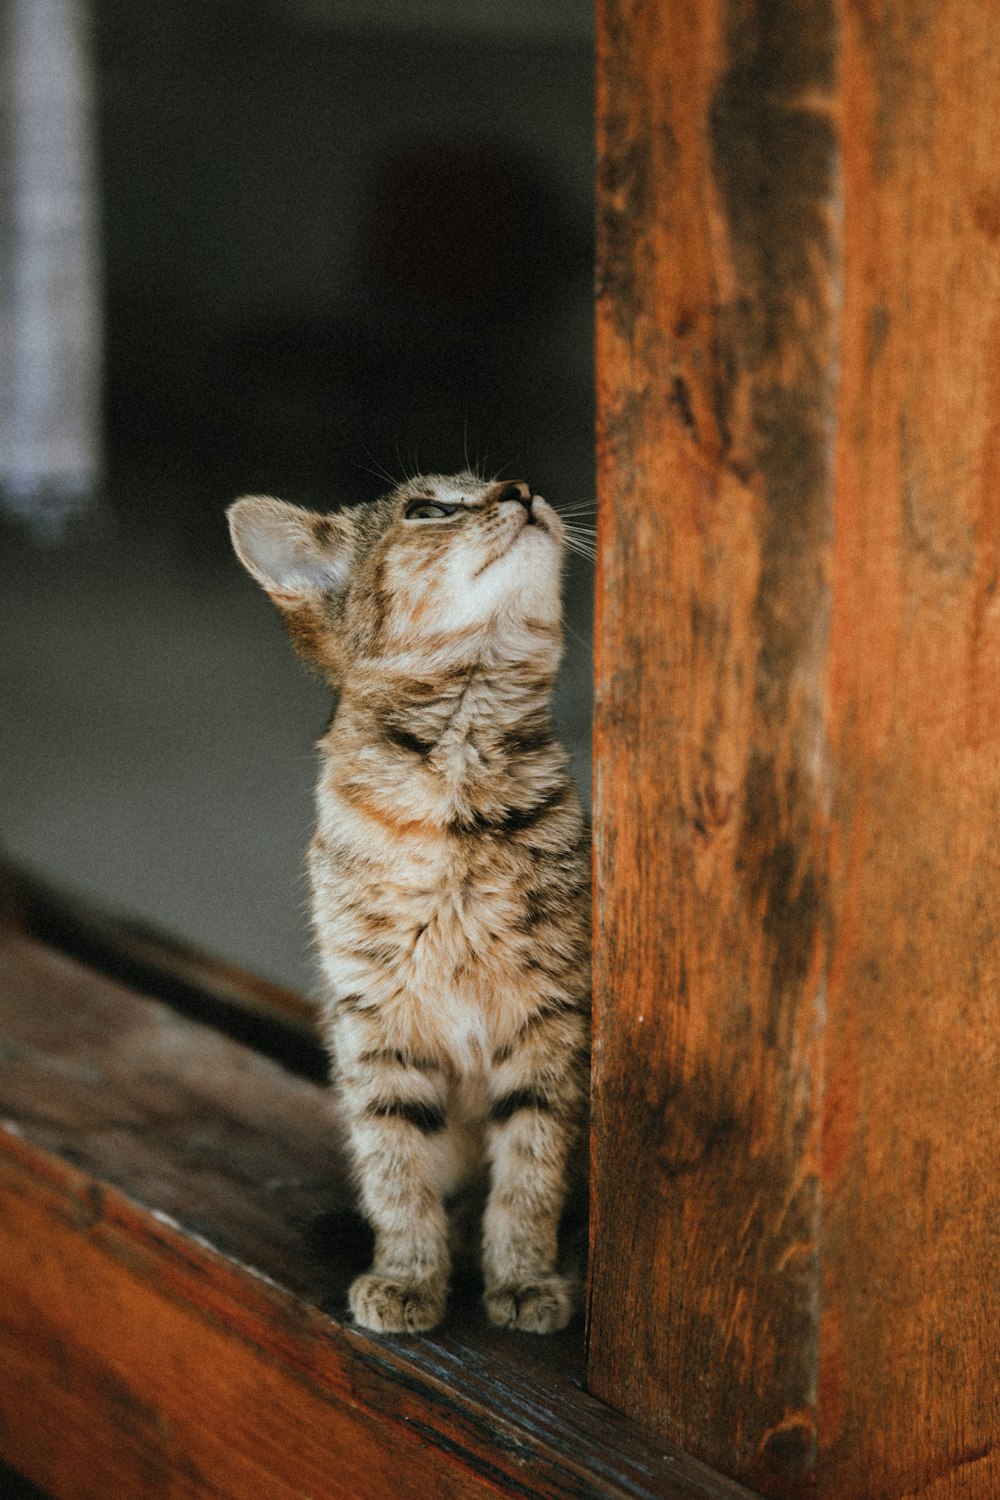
[176, 1241]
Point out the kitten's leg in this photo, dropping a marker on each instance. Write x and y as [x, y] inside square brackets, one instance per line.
[533, 1130]
[396, 1120]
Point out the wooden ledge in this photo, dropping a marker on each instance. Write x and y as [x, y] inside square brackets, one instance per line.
[175, 1244]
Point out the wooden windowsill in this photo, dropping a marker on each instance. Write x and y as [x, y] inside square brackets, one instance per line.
[176, 1239]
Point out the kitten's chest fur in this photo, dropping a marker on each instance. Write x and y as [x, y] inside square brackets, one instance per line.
[439, 850]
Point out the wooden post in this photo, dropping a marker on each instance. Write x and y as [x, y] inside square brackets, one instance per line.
[796, 1230]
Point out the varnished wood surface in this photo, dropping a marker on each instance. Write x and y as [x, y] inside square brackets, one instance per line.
[911, 1224]
[797, 829]
[232, 1000]
[175, 1246]
[716, 344]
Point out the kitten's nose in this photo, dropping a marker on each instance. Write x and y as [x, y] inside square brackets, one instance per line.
[512, 490]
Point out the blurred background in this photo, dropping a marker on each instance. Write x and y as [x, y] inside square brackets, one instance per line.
[292, 246]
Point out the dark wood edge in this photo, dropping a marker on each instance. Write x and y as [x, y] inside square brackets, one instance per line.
[265, 1016]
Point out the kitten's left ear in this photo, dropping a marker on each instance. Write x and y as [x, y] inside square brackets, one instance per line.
[294, 554]
[300, 559]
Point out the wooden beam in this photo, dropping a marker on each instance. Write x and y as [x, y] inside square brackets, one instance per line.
[911, 1224]
[716, 355]
[795, 1235]
[175, 1244]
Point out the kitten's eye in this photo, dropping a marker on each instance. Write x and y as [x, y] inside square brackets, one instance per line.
[428, 510]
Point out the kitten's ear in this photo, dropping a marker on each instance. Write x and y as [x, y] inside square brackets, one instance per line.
[292, 553]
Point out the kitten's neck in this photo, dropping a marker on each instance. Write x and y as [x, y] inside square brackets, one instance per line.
[471, 707]
[471, 731]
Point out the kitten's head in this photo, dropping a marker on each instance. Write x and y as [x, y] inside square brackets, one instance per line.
[444, 567]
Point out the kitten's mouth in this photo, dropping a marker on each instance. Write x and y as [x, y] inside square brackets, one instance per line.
[534, 517]
[539, 514]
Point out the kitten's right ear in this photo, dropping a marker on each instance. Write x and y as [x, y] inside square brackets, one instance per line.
[294, 554]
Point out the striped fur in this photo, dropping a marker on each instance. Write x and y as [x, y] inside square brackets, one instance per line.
[449, 873]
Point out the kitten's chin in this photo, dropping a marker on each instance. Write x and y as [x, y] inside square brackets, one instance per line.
[536, 546]
[522, 583]
[525, 579]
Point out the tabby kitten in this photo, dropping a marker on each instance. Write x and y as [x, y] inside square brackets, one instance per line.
[449, 874]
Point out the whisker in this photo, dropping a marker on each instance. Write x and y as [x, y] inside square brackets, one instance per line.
[588, 645]
[378, 472]
[474, 466]
[399, 459]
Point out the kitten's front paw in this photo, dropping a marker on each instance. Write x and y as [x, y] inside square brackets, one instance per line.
[392, 1306]
[540, 1306]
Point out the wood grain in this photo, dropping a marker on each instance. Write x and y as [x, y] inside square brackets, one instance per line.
[252, 1010]
[797, 1065]
[911, 1233]
[175, 1246]
[715, 361]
